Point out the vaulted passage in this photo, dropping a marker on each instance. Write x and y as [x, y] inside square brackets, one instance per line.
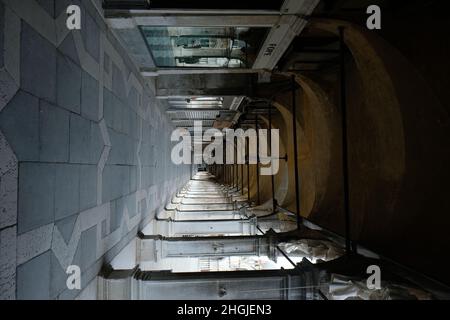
[287, 150]
[218, 246]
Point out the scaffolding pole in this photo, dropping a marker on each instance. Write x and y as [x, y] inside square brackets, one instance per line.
[272, 177]
[296, 170]
[257, 161]
[345, 168]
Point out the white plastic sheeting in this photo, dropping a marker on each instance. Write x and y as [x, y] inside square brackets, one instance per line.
[314, 250]
[344, 288]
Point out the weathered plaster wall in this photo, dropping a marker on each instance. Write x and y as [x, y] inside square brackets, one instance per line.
[84, 149]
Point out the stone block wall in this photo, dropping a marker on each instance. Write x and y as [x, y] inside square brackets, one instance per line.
[84, 149]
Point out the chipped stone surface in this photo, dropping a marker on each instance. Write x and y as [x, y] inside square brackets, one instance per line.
[8, 198]
[8, 263]
[8, 185]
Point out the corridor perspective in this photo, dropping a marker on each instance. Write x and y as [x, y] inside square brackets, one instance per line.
[224, 150]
